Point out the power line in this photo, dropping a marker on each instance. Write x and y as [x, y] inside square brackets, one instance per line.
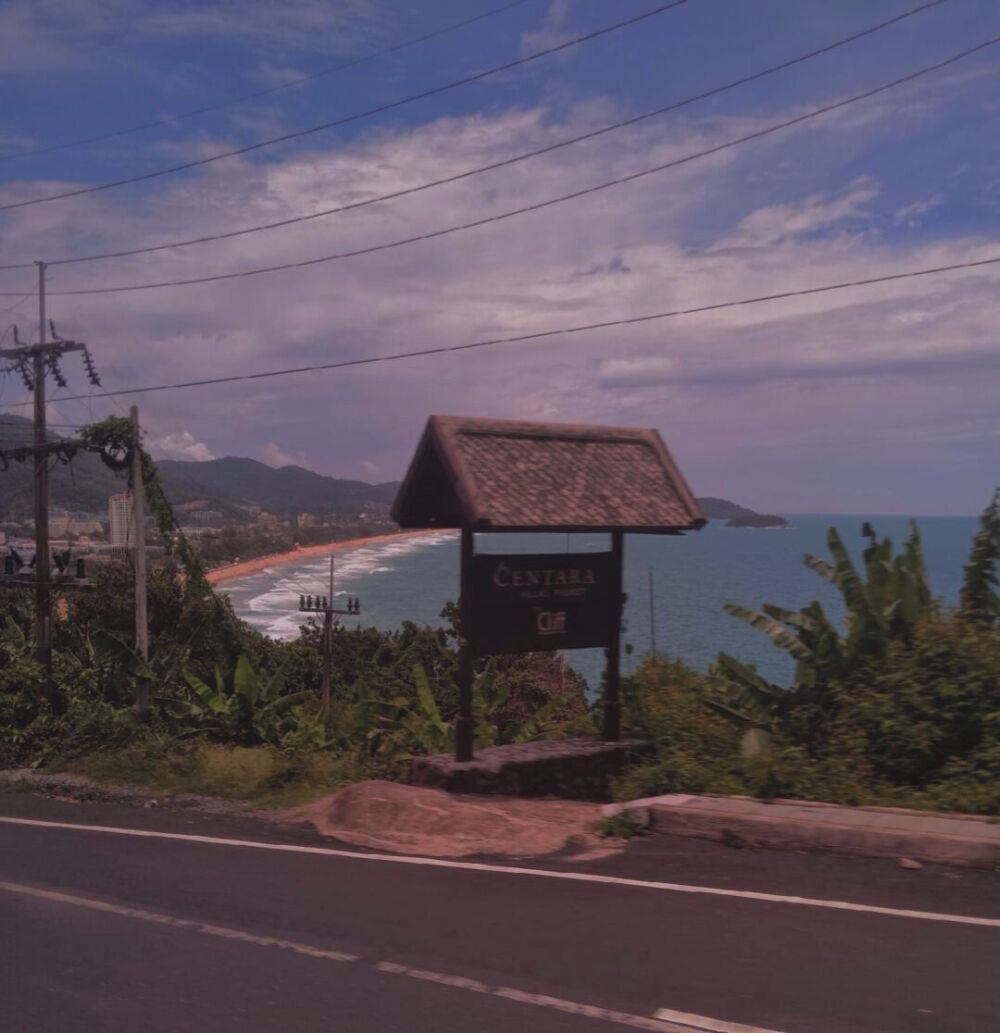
[174, 119]
[592, 134]
[501, 216]
[28, 426]
[357, 116]
[540, 334]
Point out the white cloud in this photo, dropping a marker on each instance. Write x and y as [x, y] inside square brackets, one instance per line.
[553, 30]
[45, 34]
[911, 214]
[724, 228]
[182, 445]
[276, 456]
[635, 370]
[776, 223]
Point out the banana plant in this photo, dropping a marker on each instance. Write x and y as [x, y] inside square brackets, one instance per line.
[119, 666]
[14, 642]
[253, 704]
[415, 725]
[882, 606]
[979, 600]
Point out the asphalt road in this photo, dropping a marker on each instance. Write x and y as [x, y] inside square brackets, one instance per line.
[107, 931]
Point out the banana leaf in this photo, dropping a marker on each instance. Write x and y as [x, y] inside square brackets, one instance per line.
[778, 633]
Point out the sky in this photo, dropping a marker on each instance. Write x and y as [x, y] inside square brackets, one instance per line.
[877, 399]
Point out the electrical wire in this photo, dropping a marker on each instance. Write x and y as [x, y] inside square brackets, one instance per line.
[23, 297]
[542, 334]
[357, 116]
[501, 216]
[548, 149]
[171, 120]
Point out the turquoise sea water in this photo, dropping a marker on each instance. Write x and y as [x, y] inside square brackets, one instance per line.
[693, 575]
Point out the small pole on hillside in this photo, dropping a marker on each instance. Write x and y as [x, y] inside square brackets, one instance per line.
[652, 617]
[139, 547]
[611, 730]
[324, 604]
[465, 727]
[327, 646]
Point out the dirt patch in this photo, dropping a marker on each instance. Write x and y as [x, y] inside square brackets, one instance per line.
[433, 823]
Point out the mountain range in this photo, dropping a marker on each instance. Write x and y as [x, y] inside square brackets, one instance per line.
[288, 489]
[85, 484]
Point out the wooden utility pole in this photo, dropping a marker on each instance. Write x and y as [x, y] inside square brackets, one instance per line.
[612, 706]
[139, 547]
[43, 597]
[34, 362]
[465, 725]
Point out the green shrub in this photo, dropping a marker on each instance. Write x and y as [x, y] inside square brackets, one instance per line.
[697, 750]
[929, 711]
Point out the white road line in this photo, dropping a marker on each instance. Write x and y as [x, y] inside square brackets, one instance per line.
[590, 1011]
[500, 869]
[176, 923]
[701, 1022]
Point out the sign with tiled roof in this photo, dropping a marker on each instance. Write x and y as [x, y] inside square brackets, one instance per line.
[505, 475]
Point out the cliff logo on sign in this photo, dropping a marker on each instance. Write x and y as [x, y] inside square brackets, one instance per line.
[551, 622]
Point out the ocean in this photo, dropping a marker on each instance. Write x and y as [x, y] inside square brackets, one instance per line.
[692, 575]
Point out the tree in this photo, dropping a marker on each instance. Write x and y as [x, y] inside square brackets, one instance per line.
[978, 600]
[885, 606]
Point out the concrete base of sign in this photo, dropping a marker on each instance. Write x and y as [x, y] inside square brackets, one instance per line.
[574, 769]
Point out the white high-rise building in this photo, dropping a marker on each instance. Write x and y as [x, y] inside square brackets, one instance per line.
[120, 518]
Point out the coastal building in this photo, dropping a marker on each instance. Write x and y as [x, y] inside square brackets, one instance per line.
[58, 521]
[120, 519]
[85, 527]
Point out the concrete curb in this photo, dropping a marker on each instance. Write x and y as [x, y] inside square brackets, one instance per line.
[955, 839]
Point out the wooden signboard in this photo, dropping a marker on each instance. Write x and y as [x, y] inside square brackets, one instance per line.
[532, 603]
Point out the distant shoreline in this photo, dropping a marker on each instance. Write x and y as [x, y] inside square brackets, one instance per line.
[231, 571]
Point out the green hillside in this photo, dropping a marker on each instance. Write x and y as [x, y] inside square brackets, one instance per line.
[290, 489]
[85, 484]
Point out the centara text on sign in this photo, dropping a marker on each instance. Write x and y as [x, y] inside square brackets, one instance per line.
[541, 602]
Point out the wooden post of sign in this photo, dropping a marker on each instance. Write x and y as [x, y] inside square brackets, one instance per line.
[464, 727]
[612, 708]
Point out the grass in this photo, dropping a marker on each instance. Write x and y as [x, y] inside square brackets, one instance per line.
[621, 826]
[259, 775]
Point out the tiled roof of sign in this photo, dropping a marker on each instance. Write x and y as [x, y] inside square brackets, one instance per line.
[507, 474]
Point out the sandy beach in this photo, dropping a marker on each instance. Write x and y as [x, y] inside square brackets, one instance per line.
[234, 570]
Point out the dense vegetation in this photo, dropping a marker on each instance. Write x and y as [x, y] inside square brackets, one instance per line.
[243, 542]
[902, 707]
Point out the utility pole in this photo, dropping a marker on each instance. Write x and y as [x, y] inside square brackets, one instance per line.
[34, 362]
[139, 543]
[43, 599]
[611, 725]
[652, 617]
[324, 604]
